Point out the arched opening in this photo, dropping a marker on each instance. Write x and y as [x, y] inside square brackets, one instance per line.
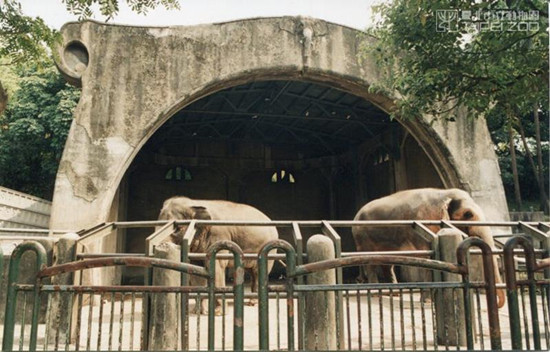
[293, 149]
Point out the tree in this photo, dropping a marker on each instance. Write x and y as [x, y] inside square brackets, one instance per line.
[34, 123]
[23, 38]
[34, 128]
[438, 56]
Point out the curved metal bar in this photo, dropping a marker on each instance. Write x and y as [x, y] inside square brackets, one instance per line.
[377, 260]
[128, 261]
[490, 287]
[11, 300]
[511, 288]
[238, 290]
[263, 319]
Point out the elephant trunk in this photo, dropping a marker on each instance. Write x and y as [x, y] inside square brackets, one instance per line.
[501, 298]
[484, 233]
[501, 293]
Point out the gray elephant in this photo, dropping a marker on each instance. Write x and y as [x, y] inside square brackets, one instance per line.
[249, 238]
[417, 204]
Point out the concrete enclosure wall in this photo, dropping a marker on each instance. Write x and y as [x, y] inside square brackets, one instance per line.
[20, 210]
[135, 79]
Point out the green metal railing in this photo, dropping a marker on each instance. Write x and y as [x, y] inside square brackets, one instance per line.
[515, 290]
[372, 305]
[290, 287]
[77, 292]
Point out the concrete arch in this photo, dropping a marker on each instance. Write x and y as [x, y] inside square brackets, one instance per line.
[135, 78]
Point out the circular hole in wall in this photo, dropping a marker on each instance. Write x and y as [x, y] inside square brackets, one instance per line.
[76, 57]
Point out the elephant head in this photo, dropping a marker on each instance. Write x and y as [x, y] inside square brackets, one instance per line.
[175, 211]
[464, 208]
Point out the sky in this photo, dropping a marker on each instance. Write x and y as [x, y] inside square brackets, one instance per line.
[353, 13]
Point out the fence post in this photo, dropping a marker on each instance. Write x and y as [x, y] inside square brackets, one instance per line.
[60, 310]
[320, 319]
[449, 305]
[164, 306]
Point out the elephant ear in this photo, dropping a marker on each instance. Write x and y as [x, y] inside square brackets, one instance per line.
[465, 210]
[200, 242]
[460, 210]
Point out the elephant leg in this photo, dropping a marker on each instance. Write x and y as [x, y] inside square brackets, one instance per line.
[362, 277]
[253, 287]
[201, 304]
[220, 282]
[388, 272]
[372, 275]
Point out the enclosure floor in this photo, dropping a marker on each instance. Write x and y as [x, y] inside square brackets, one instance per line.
[402, 330]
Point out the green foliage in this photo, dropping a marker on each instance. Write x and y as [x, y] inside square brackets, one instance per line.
[500, 72]
[23, 37]
[497, 124]
[110, 8]
[34, 128]
[434, 71]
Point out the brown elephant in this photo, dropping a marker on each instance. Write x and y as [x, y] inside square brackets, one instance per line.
[417, 204]
[249, 238]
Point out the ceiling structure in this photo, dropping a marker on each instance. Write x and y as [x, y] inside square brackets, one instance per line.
[320, 120]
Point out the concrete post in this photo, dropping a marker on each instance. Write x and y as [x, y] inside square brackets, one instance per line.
[58, 321]
[163, 315]
[451, 326]
[320, 312]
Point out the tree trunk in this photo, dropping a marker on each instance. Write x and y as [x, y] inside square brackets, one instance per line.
[545, 206]
[3, 99]
[542, 192]
[517, 192]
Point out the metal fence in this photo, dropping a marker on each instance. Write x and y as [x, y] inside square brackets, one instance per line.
[384, 316]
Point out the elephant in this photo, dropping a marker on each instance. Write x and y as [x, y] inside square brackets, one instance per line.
[417, 204]
[249, 238]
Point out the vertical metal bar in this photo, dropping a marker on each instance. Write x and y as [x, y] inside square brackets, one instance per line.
[132, 321]
[402, 319]
[143, 329]
[112, 321]
[434, 323]
[359, 319]
[277, 300]
[467, 312]
[199, 302]
[50, 317]
[413, 324]
[456, 318]
[13, 277]
[184, 253]
[223, 321]
[381, 317]
[23, 321]
[329, 231]
[78, 319]
[512, 290]
[100, 320]
[70, 298]
[524, 315]
[489, 283]
[121, 321]
[57, 325]
[369, 316]
[392, 321]
[348, 319]
[326, 335]
[263, 311]
[545, 314]
[90, 316]
[300, 279]
[423, 315]
[479, 319]
[290, 302]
